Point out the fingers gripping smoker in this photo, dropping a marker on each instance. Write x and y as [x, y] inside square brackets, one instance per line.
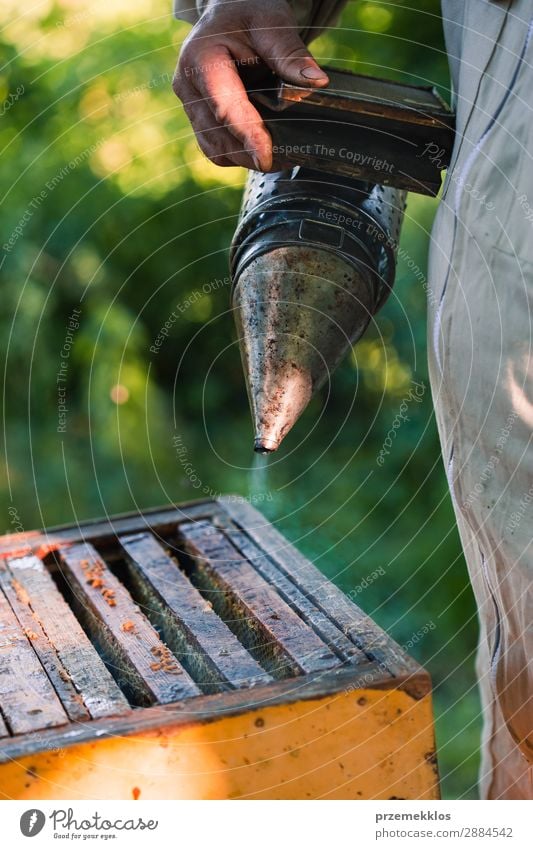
[314, 255]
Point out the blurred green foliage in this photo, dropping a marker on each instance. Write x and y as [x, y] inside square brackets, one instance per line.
[109, 208]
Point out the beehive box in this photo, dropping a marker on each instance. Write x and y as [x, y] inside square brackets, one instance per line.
[193, 653]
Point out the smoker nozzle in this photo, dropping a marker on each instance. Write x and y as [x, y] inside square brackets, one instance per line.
[265, 446]
[312, 261]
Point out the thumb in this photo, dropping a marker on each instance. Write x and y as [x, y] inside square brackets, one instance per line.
[281, 47]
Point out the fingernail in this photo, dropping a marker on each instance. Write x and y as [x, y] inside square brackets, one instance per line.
[257, 161]
[312, 73]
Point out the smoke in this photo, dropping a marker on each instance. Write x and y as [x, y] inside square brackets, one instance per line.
[258, 477]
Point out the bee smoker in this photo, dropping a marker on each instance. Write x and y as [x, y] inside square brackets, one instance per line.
[313, 258]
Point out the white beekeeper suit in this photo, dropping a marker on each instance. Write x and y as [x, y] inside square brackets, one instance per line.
[480, 342]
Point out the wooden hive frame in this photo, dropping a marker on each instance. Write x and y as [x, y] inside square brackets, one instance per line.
[233, 668]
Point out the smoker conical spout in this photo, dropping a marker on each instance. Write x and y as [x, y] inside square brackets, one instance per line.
[304, 287]
[297, 312]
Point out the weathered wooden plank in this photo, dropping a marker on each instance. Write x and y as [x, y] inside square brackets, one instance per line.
[359, 627]
[19, 601]
[145, 665]
[189, 624]
[293, 595]
[262, 620]
[28, 701]
[80, 660]
[106, 531]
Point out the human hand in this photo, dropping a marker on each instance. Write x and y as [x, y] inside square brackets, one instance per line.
[231, 34]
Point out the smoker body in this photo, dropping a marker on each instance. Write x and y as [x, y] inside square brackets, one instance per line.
[312, 261]
[314, 254]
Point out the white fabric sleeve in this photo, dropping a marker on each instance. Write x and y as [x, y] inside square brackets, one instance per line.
[318, 13]
[186, 10]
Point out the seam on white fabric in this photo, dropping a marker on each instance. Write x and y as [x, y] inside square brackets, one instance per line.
[470, 159]
[451, 483]
[497, 650]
